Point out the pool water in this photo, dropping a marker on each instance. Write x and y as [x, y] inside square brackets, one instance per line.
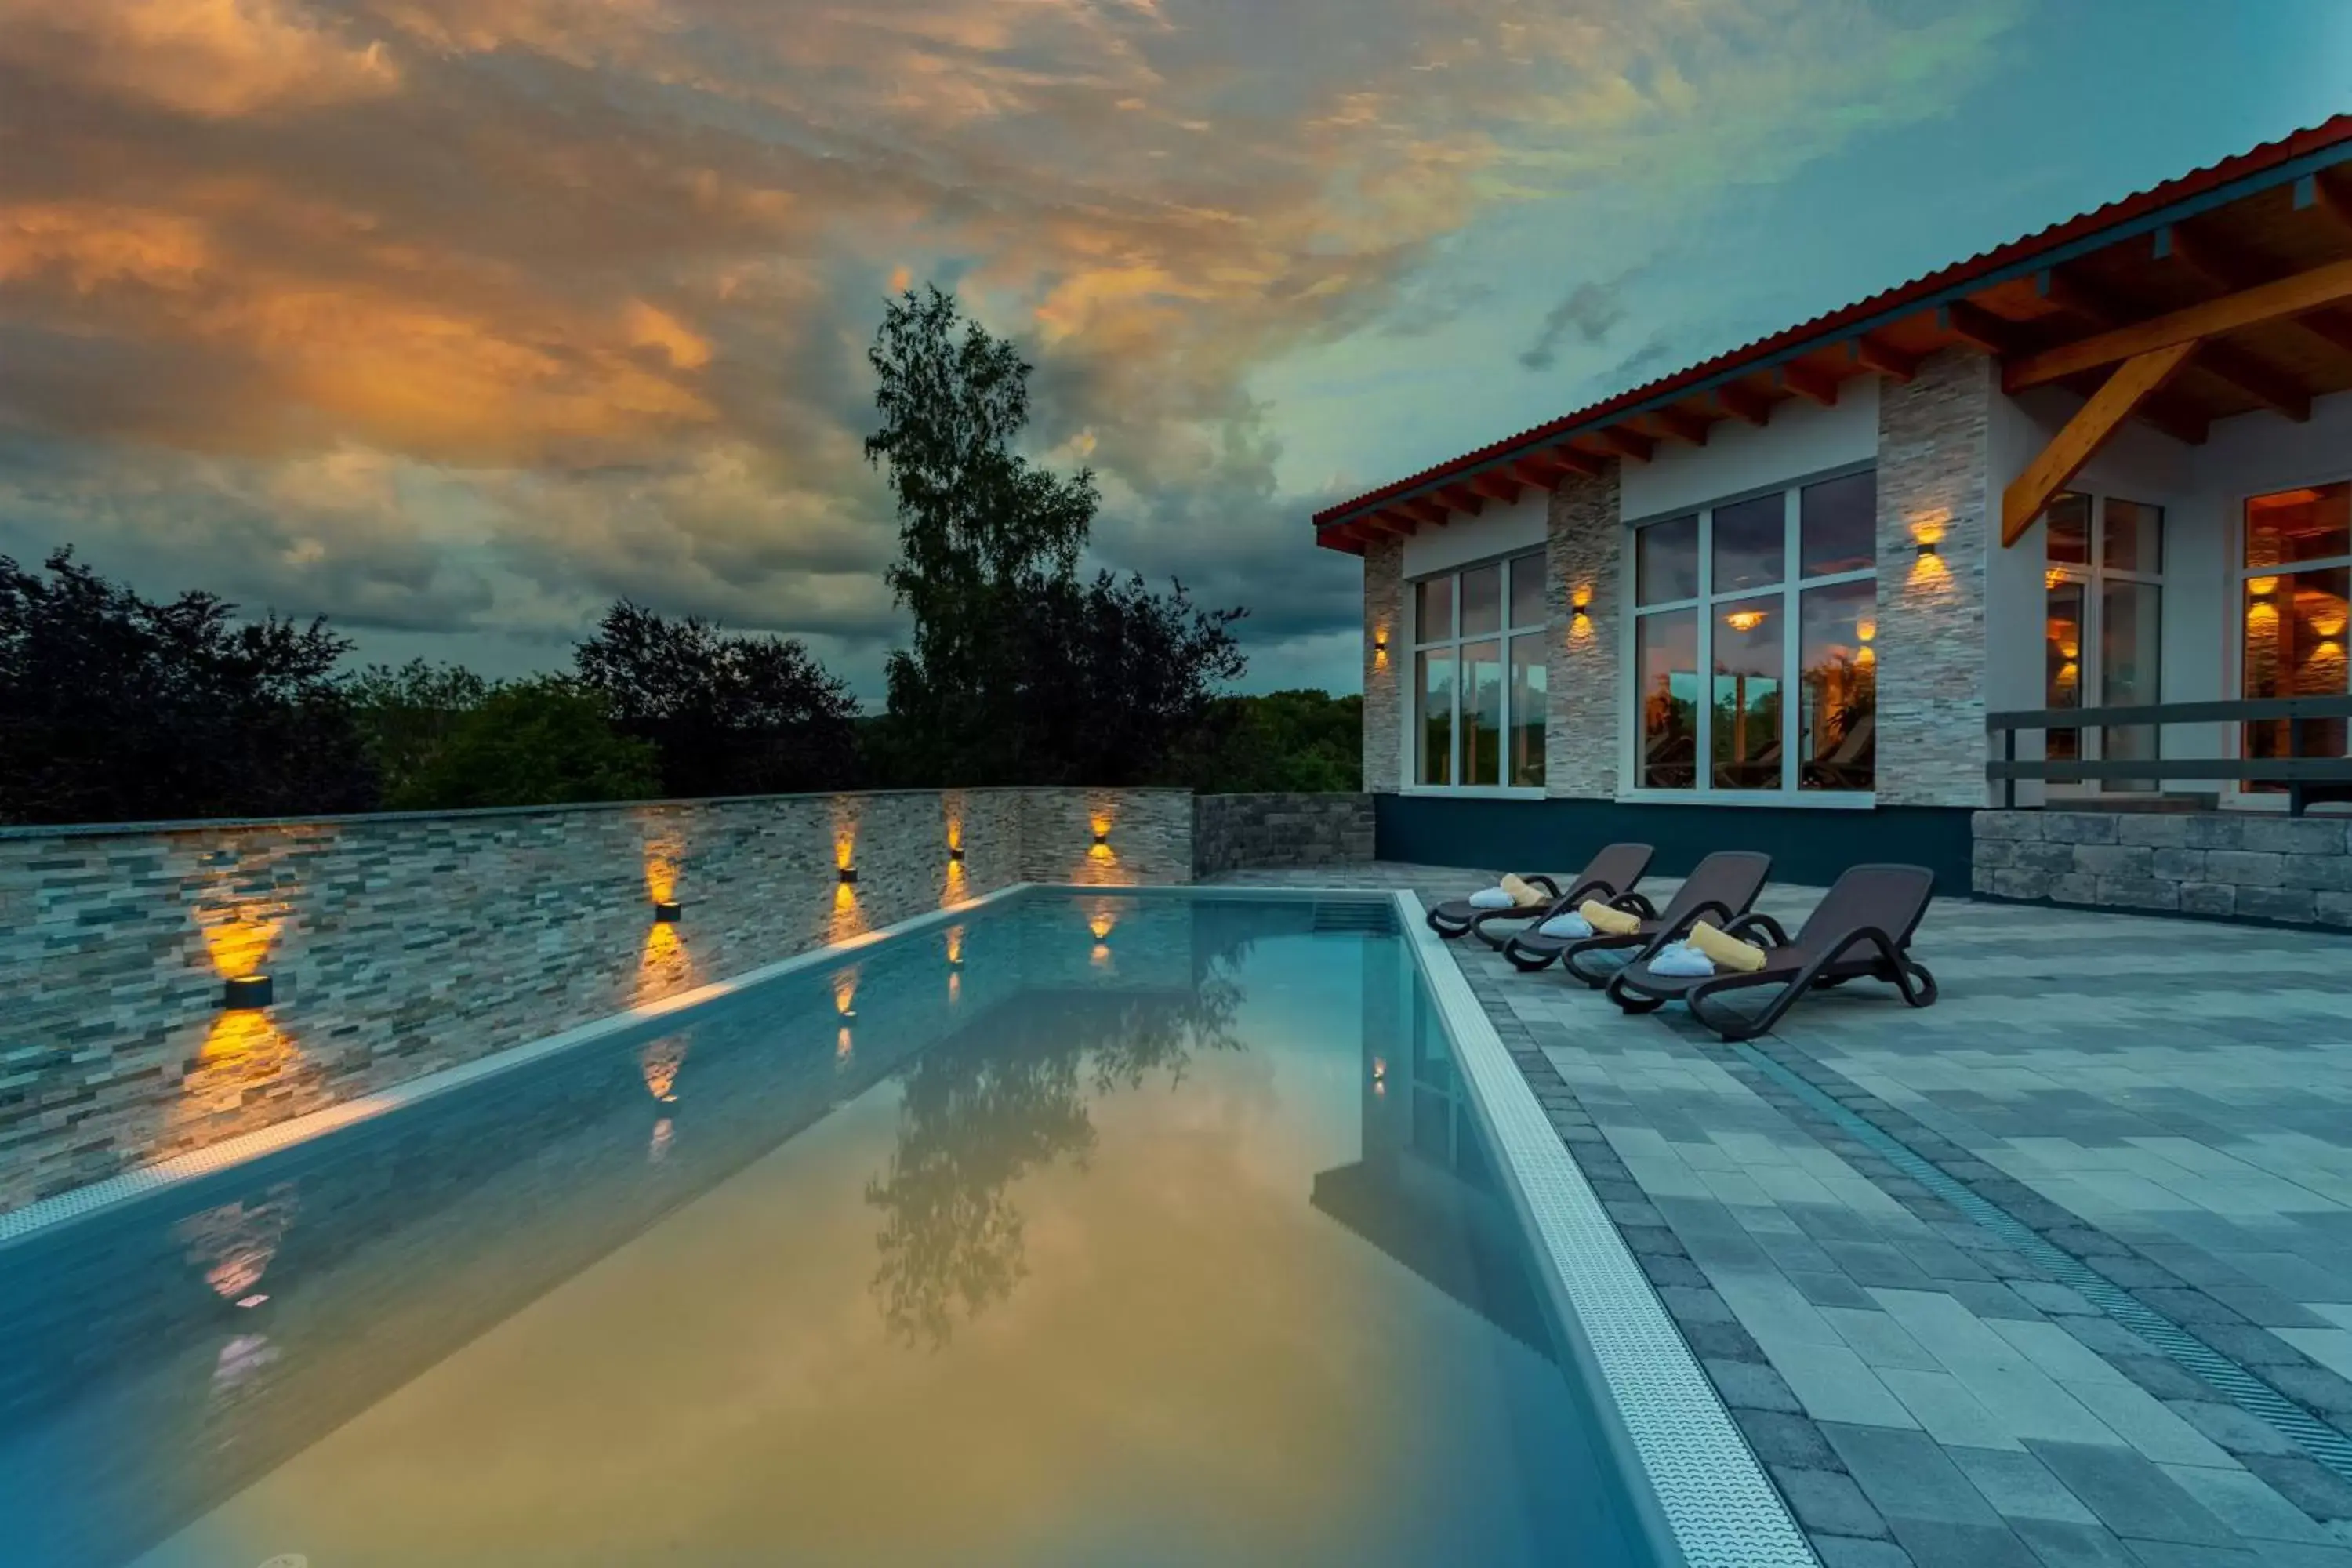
[1136, 1230]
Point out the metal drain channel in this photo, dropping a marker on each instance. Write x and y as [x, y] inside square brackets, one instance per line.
[2241, 1387]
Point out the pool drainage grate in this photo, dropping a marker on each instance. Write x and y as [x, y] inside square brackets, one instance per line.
[2241, 1387]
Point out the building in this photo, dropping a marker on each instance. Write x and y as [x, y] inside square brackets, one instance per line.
[1772, 601]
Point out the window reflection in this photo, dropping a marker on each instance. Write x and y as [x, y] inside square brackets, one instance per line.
[1436, 728]
[2068, 526]
[1751, 543]
[1529, 684]
[1432, 609]
[1481, 710]
[1666, 564]
[1481, 601]
[1527, 591]
[1838, 525]
[2061, 657]
[2129, 641]
[1666, 659]
[1747, 720]
[1839, 724]
[2295, 647]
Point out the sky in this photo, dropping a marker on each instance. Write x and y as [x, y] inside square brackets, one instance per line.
[453, 321]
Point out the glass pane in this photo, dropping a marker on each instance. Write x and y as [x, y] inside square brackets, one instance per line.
[1666, 561]
[2128, 642]
[2299, 525]
[2067, 526]
[2132, 538]
[1481, 601]
[2061, 657]
[1838, 525]
[1528, 683]
[1432, 609]
[1436, 726]
[1746, 718]
[1527, 591]
[1482, 712]
[2295, 647]
[1838, 729]
[1751, 543]
[1665, 662]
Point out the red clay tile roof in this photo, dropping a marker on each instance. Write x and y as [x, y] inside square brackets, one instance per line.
[2259, 167]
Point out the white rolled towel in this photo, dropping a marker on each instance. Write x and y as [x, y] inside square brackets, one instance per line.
[1681, 961]
[1492, 899]
[1572, 926]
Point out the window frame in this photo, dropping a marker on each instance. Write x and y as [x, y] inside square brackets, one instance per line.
[1453, 643]
[2092, 576]
[2234, 790]
[1708, 603]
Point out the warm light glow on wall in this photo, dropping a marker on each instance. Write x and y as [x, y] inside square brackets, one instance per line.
[223, 1094]
[664, 965]
[238, 940]
[661, 873]
[660, 1062]
[1380, 648]
[1866, 655]
[1865, 630]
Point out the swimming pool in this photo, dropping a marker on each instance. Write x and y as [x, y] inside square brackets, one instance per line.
[1080, 1229]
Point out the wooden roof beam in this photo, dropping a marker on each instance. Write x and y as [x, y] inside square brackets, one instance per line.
[1744, 404]
[1685, 426]
[1812, 384]
[1873, 354]
[2130, 386]
[1548, 466]
[1980, 328]
[2250, 373]
[2296, 295]
[1496, 485]
[1630, 442]
[1426, 508]
[1386, 522]
[1462, 497]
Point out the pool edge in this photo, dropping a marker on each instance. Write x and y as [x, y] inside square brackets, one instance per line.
[44, 1215]
[1689, 1467]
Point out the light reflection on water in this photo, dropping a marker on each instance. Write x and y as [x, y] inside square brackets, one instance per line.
[1146, 1262]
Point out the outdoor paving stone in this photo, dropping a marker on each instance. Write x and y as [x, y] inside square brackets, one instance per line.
[1828, 1502]
[2055, 1299]
[2249, 1505]
[1906, 1474]
[2131, 1495]
[1991, 1299]
[1945, 1409]
[1835, 1385]
[2305, 1482]
[1671, 1270]
[1828, 1289]
[2317, 1387]
[1781, 1439]
[1845, 1552]
[2020, 1486]
[1936, 1544]
[1751, 1385]
[1877, 1264]
[2057, 1544]
[1878, 1339]
[2229, 1427]
[2172, 1554]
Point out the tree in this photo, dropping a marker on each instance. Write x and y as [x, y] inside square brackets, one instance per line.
[115, 708]
[532, 743]
[1291, 741]
[1019, 673]
[725, 715]
[407, 715]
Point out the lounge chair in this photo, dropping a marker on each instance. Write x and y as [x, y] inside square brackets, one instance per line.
[1860, 930]
[1719, 889]
[1611, 874]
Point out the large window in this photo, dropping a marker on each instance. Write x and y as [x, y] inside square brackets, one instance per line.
[1478, 676]
[2104, 580]
[2297, 573]
[1748, 592]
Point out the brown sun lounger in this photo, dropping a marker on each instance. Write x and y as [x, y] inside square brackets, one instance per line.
[1719, 889]
[1860, 930]
[1611, 874]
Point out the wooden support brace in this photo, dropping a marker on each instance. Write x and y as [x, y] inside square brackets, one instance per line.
[2297, 295]
[1496, 485]
[1630, 442]
[1745, 404]
[2085, 434]
[1811, 384]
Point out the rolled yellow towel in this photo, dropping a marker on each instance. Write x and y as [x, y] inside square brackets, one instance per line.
[1728, 952]
[1612, 922]
[1523, 895]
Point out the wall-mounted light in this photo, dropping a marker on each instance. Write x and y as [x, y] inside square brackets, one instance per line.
[849, 875]
[1102, 834]
[1930, 547]
[955, 853]
[246, 991]
[669, 913]
[1379, 642]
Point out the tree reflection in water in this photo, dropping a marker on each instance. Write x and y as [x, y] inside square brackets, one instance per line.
[981, 1112]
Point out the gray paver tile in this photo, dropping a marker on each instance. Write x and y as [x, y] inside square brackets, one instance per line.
[2244, 1503]
[2058, 1544]
[1947, 1410]
[2131, 1495]
[1906, 1474]
[1936, 1544]
[2020, 1486]
[1834, 1385]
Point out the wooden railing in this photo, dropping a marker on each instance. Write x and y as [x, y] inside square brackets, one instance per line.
[2294, 770]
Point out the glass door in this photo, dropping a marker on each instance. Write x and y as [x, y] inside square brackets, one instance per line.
[2103, 629]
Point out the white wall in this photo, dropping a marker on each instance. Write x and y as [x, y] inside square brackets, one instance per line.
[1802, 438]
[1497, 531]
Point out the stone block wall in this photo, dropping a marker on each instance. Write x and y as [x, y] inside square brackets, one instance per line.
[1932, 458]
[1233, 831]
[2237, 864]
[1584, 548]
[1384, 670]
[400, 944]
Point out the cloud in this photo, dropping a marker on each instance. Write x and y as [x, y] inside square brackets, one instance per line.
[1590, 310]
[469, 315]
